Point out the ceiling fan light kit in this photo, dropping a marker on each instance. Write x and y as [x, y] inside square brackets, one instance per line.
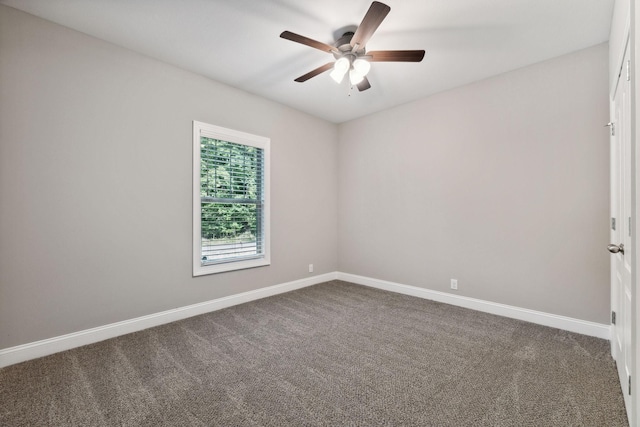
[350, 53]
[357, 69]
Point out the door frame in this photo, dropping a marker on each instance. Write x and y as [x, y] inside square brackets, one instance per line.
[634, 43]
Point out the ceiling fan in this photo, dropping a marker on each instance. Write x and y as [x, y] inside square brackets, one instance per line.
[350, 53]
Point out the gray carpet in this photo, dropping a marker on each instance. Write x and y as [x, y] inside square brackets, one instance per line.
[334, 354]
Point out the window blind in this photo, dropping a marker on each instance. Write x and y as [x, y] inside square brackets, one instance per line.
[231, 198]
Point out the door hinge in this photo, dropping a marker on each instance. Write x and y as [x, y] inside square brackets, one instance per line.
[629, 385]
[613, 317]
[612, 125]
[628, 71]
[613, 223]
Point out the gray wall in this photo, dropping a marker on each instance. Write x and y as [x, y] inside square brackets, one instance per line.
[95, 183]
[502, 184]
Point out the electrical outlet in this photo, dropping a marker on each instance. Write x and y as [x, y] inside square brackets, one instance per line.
[454, 284]
[310, 268]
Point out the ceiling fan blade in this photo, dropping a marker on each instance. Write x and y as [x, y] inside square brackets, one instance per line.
[315, 72]
[395, 55]
[363, 85]
[370, 23]
[307, 41]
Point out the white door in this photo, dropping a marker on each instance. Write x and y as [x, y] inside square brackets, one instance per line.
[621, 289]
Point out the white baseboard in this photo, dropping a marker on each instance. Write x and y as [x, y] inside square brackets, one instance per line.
[22, 353]
[555, 321]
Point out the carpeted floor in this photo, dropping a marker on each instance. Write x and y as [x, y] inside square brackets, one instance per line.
[334, 354]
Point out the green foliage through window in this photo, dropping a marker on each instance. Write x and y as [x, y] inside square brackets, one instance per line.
[231, 199]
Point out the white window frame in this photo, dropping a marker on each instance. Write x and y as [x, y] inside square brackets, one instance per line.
[216, 132]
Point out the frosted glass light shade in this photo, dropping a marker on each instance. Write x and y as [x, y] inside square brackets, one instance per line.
[340, 68]
[355, 77]
[362, 66]
[337, 76]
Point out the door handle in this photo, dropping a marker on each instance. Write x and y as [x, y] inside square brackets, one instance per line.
[614, 249]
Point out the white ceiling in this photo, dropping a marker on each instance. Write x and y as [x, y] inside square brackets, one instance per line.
[237, 42]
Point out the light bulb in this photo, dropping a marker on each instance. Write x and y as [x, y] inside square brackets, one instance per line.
[340, 68]
[362, 66]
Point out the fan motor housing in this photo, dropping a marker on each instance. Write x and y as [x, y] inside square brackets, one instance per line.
[343, 44]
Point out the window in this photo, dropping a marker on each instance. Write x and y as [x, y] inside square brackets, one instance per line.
[230, 200]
